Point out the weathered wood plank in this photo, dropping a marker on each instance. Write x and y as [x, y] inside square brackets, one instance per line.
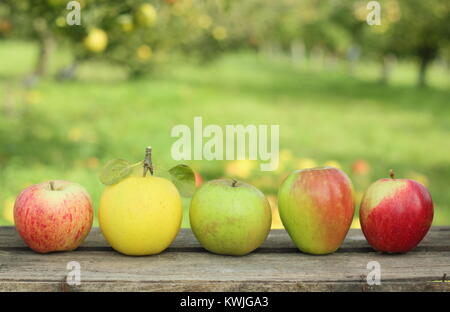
[277, 266]
[438, 239]
[109, 265]
[209, 286]
[188, 268]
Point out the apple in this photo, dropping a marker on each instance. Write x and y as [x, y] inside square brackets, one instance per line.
[140, 215]
[146, 15]
[230, 217]
[316, 207]
[96, 40]
[305, 163]
[276, 221]
[5, 26]
[8, 209]
[198, 179]
[53, 216]
[360, 167]
[144, 52]
[332, 163]
[240, 168]
[396, 214]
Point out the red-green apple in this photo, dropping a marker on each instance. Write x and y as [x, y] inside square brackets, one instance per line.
[316, 207]
[53, 216]
[230, 217]
[396, 214]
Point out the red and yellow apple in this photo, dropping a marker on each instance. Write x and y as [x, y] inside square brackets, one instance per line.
[53, 216]
[396, 214]
[316, 207]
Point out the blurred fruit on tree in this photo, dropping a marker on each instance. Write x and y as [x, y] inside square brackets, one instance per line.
[96, 40]
[412, 29]
[333, 163]
[146, 15]
[305, 163]
[240, 168]
[144, 52]
[421, 178]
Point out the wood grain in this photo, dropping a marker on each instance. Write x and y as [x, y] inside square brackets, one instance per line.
[185, 266]
[438, 239]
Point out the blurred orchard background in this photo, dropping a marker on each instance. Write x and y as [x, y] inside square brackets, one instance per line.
[359, 97]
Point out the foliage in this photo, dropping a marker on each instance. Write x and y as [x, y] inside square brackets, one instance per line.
[142, 35]
[70, 130]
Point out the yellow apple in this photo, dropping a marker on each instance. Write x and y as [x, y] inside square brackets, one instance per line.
[140, 215]
[220, 33]
[332, 163]
[146, 15]
[305, 163]
[96, 40]
[144, 52]
[240, 168]
[276, 220]
[8, 210]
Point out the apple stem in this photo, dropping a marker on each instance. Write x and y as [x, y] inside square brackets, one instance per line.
[234, 183]
[52, 185]
[148, 166]
[391, 173]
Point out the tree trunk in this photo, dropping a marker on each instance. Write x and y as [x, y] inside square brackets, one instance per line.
[422, 79]
[387, 67]
[297, 52]
[45, 48]
[68, 72]
[45, 41]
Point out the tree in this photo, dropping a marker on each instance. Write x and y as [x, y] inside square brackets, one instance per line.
[410, 28]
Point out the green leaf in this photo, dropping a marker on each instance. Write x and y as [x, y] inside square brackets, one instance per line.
[114, 171]
[184, 179]
[137, 169]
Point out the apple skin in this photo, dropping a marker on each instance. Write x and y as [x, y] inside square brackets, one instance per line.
[316, 207]
[396, 214]
[53, 220]
[230, 220]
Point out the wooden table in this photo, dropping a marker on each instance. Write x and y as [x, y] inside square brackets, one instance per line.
[185, 266]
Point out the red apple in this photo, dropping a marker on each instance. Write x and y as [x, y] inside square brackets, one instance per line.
[396, 214]
[53, 216]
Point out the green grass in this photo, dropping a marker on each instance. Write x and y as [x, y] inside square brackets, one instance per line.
[67, 128]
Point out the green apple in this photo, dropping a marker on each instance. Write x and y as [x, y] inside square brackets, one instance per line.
[230, 217]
